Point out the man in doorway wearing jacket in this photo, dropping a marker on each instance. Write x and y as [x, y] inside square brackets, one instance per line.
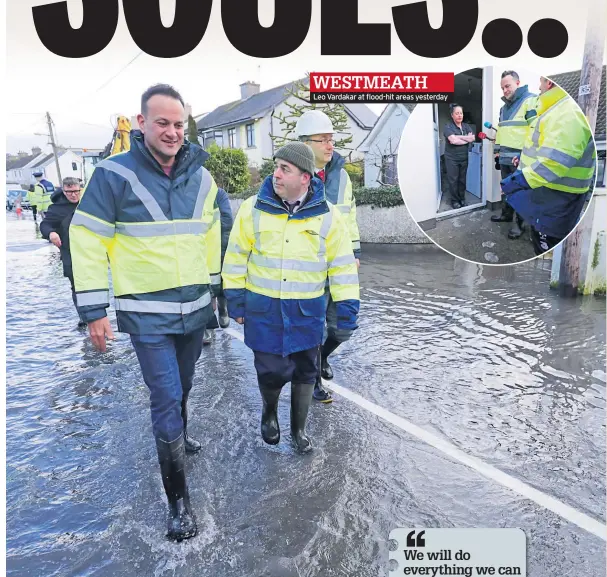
[315, 128]
[286, 242]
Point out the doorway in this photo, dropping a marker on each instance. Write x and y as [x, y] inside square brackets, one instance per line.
[468, 92]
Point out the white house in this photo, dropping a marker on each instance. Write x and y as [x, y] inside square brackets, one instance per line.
[70, 164]
[422, 147]
[248, 123]
[380, 147]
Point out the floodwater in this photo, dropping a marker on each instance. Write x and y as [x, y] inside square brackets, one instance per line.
[487, 358]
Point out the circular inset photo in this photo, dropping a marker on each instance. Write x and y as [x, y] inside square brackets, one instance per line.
[504, 172]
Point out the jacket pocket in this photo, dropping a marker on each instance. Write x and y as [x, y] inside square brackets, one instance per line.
[312, 307]
[256, 303]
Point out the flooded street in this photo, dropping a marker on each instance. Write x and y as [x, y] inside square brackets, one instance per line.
[488, 359]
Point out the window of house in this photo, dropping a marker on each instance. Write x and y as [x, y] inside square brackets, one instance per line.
[250, 135]
[74, 167]
[232, 137]
[600, 171]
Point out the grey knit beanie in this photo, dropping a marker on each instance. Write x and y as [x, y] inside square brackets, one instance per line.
[299, 154]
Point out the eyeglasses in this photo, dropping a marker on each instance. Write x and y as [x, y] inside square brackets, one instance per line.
[330, 141]
[72, 191]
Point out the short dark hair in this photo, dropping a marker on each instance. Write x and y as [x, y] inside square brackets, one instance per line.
[71, 181]
[164, 90]
[510, 73]
[455, 105]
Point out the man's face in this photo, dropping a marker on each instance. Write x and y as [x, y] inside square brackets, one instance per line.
[163, 126]
[72, 192]
[323, 146]
[289, 181]
[545, 85]
[509, 86]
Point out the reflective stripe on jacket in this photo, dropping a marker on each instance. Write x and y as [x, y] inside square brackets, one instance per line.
[156, 232]
[513, 127]
[338, 191]
[559, 153]
[276, 267]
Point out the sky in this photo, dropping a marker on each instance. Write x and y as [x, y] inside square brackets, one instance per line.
[82, 95]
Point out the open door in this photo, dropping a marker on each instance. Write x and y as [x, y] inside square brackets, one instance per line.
[439, 153]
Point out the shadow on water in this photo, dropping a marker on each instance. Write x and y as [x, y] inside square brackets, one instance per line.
[488, 358]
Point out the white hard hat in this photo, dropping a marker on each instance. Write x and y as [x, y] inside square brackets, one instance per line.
[313, 122]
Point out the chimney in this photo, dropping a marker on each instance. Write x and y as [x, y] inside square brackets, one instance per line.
[36, 150]
[248, 89]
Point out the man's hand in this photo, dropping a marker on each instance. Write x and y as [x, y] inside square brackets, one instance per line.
[357, 262]
[515, 161]
[240, 320]
[98, 330]
[54, 238]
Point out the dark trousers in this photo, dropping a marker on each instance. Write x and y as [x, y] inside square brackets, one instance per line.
[507, 210]
[298, 368]
[167, 364]
[543, 243]
[456, 178]
[34, 211]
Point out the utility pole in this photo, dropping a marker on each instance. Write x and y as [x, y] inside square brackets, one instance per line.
[50, 132]
[588, 99]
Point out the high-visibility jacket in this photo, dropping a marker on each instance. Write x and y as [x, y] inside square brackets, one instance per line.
[338, 190]
[44, 190]
[513, 127]
[557, 166]
[33, 197]
[276, 267]
[157, 232]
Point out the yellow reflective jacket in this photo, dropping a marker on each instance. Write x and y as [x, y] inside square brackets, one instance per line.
[43, 191]
[559, 153]
[276, 267]
[513, 128]
[338, 190]
[156, 231]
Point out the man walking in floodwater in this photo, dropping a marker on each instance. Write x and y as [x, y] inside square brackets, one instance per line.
[150, 210]
[285, 242]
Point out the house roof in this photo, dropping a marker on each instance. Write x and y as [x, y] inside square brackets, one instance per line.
[364, 145]
[46, 160]
[259, 104]
[570, 82]
[19, 162]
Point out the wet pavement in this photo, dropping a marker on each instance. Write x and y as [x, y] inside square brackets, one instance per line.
[487, 358]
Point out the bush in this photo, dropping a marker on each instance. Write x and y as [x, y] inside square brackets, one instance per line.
[267, 168]
[383, 197]
[355, 172]
[229, 167]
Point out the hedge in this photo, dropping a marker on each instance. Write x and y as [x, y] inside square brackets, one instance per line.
[383, 197]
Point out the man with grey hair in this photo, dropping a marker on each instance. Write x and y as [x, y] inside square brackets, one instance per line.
[55, 226]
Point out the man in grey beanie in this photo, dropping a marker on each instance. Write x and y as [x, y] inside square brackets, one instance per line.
[285, 243]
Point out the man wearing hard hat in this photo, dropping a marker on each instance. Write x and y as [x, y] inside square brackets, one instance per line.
[315, 128]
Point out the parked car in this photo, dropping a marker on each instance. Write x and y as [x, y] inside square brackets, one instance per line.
[12, 194]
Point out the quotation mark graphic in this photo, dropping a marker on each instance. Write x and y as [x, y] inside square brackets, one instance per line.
[413, 542]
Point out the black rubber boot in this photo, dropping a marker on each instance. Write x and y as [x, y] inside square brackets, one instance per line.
[171, 456]
[325, 368]
[320, 393]
[517, 228]
[222, 309]
[270, 429]
[191, 444]
[301, 396]
[507, 214]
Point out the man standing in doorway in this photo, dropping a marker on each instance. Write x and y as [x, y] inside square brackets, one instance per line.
[512, 131]
[315, 128]
[556, 169]
[150, 210]
[286, 242]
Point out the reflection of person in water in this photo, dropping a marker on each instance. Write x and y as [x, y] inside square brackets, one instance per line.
[458, 137]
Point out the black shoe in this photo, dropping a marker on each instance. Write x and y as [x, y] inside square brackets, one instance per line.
[222, 309]
[325, 370]
[207, 337]
[270, 429]
[517, 230]
[462, 203]
[190, 443]
[321, 394]
[454, 204]
[301, 395]
[181, 522]
[501, 218]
